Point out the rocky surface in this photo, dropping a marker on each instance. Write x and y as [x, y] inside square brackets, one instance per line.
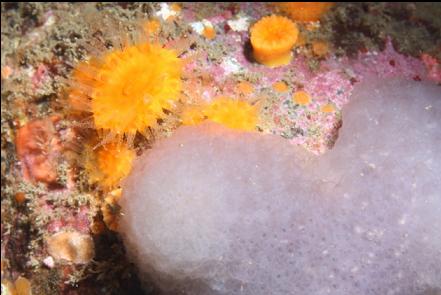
[212, 211]
[46, 187]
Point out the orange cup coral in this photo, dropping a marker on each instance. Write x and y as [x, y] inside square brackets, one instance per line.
[110, 164]
[305, 11]
[272, 39]
[128, 90]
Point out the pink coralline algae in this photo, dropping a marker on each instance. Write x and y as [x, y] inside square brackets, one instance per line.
[387, 64]
[308, 124]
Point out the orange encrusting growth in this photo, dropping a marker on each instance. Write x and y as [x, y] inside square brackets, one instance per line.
[235, 114]
[110, 164]
[272, 39]
[305, 11]
[129, 89]
[192, 115]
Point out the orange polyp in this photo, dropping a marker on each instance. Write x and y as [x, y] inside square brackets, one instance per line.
[6, 72]
[110, 164]
[245, 88]
[301, 97]
[328, 108]
[147, 76]
[280, 87]
[209, 33]
[305, 11]
[20, 197]
[272, 39]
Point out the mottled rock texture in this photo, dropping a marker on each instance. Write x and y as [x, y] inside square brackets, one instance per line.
[214, 211]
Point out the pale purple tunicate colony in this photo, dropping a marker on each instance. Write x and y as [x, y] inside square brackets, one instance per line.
[216, 211]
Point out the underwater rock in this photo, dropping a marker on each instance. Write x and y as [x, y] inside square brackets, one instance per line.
[216, 211]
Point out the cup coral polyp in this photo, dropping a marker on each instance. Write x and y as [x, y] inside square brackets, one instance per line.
[128, 90]
[109, 164]
[272, 39]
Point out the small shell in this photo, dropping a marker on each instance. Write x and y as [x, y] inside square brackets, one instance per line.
[71, 246]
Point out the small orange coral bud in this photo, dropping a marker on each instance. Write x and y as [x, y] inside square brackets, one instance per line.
[328, 108]
[6, 72]
[20, 197]
[301, 97]
[209, 32]
[272, 39]
[245, 88]
[110, 164]
[305, 11]
[280, 86]
[232, 113]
